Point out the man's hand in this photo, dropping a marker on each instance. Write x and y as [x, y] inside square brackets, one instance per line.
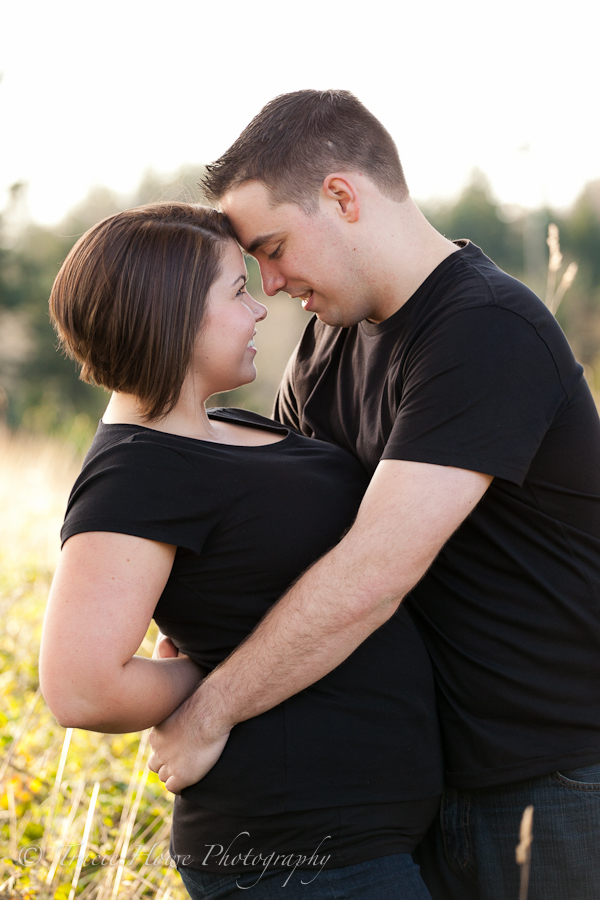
[182, 755]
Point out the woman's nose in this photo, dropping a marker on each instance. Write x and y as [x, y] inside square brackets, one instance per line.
[259, 309]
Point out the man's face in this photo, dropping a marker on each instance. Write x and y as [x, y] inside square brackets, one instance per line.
[308, 256]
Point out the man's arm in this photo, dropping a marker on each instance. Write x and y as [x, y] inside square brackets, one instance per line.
[408, 513]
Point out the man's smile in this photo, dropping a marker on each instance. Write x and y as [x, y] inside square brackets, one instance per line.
[306, 299]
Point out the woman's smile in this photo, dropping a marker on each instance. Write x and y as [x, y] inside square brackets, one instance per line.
[225, 349]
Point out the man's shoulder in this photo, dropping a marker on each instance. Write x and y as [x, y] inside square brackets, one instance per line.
[473, 279]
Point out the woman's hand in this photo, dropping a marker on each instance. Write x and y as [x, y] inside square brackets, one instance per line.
[164, 648]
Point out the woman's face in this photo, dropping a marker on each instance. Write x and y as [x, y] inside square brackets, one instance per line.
[224, 353]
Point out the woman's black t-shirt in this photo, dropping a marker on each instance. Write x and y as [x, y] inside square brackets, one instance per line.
[247, 520]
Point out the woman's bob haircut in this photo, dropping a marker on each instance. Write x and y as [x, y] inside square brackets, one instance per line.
[128, 301]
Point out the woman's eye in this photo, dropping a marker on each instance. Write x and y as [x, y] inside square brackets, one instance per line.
[275, 252]
[242, 290]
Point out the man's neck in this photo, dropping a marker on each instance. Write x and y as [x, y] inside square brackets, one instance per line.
[407, 250]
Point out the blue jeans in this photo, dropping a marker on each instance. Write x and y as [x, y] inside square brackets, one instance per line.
[469, 852]
[387, 878]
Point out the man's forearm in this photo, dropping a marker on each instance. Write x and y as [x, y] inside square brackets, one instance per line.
[313, 628]
[408, 513]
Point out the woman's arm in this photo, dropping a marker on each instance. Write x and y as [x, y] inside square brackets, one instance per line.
[101, 602]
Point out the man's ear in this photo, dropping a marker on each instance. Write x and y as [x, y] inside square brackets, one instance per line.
[342, 190]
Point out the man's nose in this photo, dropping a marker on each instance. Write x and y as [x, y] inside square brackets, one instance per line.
[272, 281]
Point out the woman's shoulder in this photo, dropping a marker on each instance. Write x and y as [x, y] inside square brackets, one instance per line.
[138, 481]
[132, 442]
[148, 468]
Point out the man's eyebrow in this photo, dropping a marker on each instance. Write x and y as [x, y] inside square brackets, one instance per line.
[260, 240]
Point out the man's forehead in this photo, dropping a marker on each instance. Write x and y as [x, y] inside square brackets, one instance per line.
[255, 220]
[249, 199]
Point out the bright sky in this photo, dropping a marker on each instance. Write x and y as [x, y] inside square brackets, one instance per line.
[95, 93]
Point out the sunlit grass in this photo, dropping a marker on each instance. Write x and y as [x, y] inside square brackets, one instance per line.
[80, 814]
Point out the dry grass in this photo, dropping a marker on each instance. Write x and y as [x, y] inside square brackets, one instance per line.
[36, 475]
[80, 814]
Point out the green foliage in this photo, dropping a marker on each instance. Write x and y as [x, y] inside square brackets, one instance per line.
[477, 216]
[43, 819]
[41, 390]
[45, 795]
[516, 241]
[580, 234]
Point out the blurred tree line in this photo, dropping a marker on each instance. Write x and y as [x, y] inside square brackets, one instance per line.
[40, 389]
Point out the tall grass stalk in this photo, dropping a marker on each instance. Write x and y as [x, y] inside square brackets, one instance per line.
[80, 813]
[55, 789]
[555, 295]
[84, 843]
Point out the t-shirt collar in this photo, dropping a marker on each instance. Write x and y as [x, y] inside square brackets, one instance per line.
[466, 250]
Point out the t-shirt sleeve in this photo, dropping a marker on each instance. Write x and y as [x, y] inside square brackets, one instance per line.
[146, 490]
[479, 392]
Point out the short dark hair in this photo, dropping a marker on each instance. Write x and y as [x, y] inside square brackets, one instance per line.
[298, 139]
[128, 300]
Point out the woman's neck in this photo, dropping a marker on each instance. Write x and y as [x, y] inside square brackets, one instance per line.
[187, 419]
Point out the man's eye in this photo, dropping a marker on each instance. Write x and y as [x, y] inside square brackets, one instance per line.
[275, 253]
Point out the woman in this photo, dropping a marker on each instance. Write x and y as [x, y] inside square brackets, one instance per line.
[201, 519]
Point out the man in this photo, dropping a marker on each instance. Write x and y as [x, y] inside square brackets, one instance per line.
[455, 386]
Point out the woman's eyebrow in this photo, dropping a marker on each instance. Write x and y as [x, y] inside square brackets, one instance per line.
[240, 278]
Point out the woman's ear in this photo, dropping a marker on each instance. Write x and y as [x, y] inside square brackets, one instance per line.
[342, 191]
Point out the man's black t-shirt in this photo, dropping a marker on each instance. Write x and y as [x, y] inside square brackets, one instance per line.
[247, 520]
[474, 372]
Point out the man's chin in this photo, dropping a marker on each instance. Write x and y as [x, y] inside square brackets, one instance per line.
[326, 318]
[335, 318]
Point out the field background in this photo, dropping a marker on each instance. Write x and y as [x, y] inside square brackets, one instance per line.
[79, 812]
[77, 809]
